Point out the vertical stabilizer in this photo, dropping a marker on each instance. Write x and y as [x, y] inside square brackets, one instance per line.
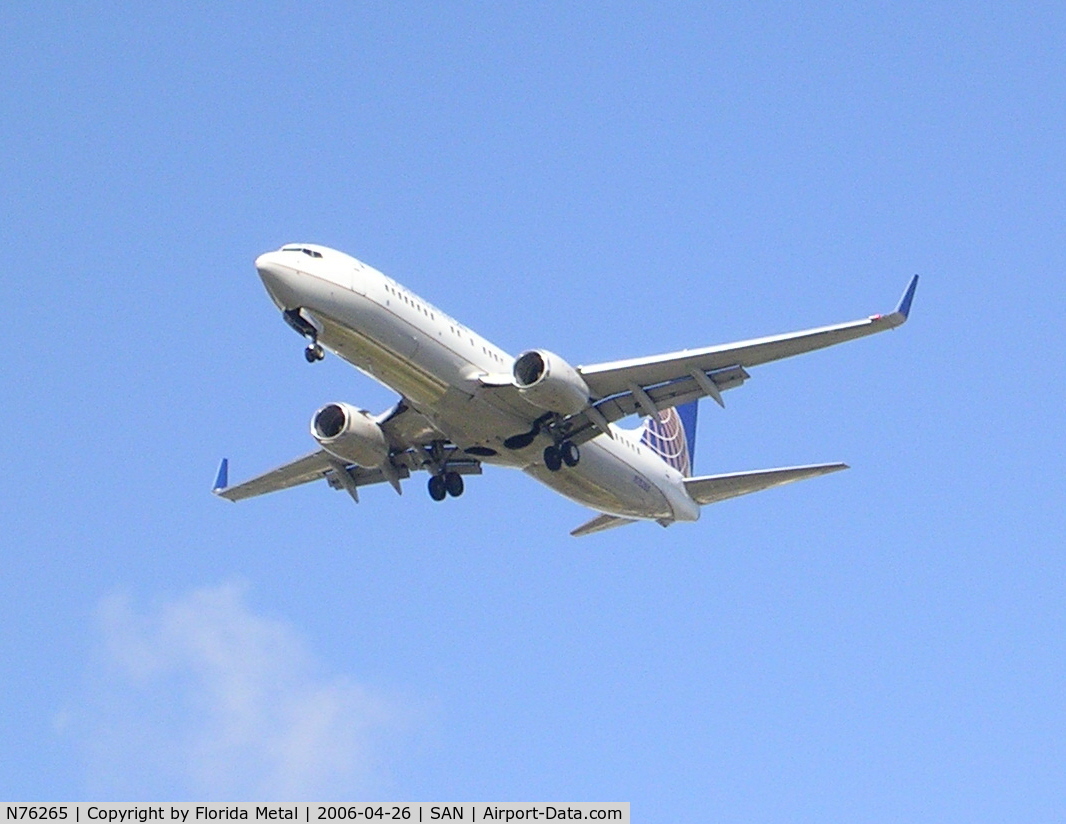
[672, 436]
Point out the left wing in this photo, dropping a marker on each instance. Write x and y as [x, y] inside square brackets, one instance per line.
[646, 386]
[606, 379]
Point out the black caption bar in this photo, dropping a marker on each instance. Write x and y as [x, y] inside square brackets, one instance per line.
[217, 813]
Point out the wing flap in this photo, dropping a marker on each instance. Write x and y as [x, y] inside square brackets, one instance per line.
[586, 425]
[672, 393]
[710, 489]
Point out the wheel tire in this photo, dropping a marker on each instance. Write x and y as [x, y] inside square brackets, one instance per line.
[570, 453]
[453, 482]
[437, 489]
[310, 355]
[552, 459]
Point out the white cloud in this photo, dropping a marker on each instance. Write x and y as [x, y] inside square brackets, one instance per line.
[201, 698]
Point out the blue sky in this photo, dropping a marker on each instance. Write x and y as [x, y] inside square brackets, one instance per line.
[604, 181]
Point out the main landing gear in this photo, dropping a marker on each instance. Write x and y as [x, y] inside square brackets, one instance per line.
[314, 352]
[565, 453]
[447, 483]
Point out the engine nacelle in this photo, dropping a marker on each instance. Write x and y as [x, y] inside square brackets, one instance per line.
[548, 382]
[350, 434]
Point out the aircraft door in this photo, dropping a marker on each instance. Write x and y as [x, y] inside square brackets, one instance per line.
[357, 274]
[341, 274]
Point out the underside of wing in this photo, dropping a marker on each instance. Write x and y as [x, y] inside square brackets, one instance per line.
[301, 471]
[648, 386]
[405, 427]
[414, 444]
[710, 489]
[607, 379]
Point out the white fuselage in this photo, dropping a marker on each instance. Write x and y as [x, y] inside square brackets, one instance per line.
[435, 363]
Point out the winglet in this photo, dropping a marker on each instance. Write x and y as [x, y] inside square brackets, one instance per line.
[904, 307]
[222, 478]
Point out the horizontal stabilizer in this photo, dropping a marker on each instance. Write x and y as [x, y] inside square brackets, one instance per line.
[710, 489]
[600, 523]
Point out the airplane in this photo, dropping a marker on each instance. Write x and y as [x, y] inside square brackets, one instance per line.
[465, 402]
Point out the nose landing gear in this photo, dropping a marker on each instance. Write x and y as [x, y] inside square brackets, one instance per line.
[297, 321]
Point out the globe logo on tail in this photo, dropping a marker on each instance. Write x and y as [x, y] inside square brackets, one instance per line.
[664, 434]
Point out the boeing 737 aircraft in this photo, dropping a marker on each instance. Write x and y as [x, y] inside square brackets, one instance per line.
[465, 402]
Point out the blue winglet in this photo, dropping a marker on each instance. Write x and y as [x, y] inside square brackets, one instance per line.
[904, 307]
[222, 478]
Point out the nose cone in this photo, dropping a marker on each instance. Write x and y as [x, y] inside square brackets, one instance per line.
[279, 280]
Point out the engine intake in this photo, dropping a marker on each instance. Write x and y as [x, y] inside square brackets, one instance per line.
[548, 382]
[350, 434]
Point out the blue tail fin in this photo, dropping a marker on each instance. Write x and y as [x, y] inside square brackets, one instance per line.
[672, 436]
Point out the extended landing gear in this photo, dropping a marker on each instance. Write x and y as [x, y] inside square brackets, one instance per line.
[297, 321]
[565, 453]
[447, 483]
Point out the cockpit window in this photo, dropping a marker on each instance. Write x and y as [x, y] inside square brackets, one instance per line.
[310, 252]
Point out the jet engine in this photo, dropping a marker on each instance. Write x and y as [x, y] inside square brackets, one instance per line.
[350, 434]
[548, 382]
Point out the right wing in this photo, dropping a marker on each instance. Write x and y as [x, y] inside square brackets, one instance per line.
[414, 443]
[301, 471]
[710, 489]
[649, 385]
